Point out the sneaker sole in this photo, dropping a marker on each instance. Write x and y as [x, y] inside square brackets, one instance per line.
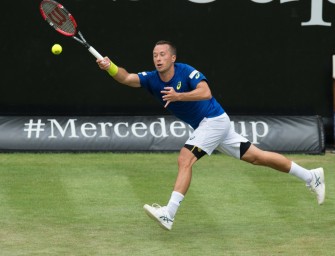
[147, 211]
[322, 176]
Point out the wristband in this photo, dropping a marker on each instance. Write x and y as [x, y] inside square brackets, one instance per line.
[113, 69]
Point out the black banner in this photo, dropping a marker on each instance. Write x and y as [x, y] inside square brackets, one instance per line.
[151, 133]
[261, 57]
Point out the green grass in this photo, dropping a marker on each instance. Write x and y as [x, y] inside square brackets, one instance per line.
[91, 204]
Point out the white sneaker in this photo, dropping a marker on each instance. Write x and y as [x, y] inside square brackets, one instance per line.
[159, 214]
[317, 185]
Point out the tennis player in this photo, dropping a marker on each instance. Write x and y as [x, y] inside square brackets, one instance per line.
[185, 92]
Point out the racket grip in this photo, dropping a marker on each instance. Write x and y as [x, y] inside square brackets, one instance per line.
[95, 53]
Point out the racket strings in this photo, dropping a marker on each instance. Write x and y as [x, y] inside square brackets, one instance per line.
[59, 18]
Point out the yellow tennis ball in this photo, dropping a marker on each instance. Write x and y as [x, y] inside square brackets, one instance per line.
[56, 49]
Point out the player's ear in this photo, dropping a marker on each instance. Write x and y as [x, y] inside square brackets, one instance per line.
[174, 57]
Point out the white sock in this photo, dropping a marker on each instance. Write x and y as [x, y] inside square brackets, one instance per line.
[175, 200]
[300, 172]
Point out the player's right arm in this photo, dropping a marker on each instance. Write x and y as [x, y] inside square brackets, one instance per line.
[119, 74]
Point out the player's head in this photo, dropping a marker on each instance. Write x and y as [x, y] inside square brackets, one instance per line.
[164, 55]
[172, 47]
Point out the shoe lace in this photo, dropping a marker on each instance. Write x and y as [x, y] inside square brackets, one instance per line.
[155, 205]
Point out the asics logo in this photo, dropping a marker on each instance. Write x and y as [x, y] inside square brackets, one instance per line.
[179, 85]
[166, 219]
[195, 73]
[317, 181]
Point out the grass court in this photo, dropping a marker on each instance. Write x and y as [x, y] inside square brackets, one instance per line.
[91, 204]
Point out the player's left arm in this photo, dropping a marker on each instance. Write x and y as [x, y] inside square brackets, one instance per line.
[201, 92]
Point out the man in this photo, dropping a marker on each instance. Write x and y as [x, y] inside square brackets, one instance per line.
[184, 91]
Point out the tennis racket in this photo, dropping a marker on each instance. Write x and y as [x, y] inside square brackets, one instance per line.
[63, 22]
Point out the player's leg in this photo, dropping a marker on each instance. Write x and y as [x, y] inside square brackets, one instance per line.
[165, 215]
[239, 147]
[189, 154]
[314, 179]
[276, 161]
[203, 141]
[186, 160]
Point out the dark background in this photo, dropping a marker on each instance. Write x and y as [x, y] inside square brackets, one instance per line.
[258, 58]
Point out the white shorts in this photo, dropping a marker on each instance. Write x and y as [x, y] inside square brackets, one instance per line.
[217, 133]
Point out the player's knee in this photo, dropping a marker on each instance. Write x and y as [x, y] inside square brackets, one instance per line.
[259, 158]
[255, 161]
[184, 162]
[251, 154]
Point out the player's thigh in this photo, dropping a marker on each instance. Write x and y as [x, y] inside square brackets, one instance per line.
[210, 133]
[234, 144]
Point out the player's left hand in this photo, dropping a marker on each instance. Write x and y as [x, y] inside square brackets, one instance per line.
[170, 95]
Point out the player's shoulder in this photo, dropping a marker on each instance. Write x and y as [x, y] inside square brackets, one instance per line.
[183, 66]
[190, 71]
[147, 73]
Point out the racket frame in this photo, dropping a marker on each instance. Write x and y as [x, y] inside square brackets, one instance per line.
[81, 40]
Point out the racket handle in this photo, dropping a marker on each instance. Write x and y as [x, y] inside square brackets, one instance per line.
[95, 53]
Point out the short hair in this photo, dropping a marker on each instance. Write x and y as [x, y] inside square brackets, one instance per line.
[173, 48]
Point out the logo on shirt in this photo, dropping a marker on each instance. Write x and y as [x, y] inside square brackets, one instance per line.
[178, 85]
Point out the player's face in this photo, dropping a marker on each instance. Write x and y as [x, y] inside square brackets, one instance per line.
[163, 58]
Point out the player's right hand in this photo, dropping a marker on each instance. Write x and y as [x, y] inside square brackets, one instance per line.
[104, 63]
